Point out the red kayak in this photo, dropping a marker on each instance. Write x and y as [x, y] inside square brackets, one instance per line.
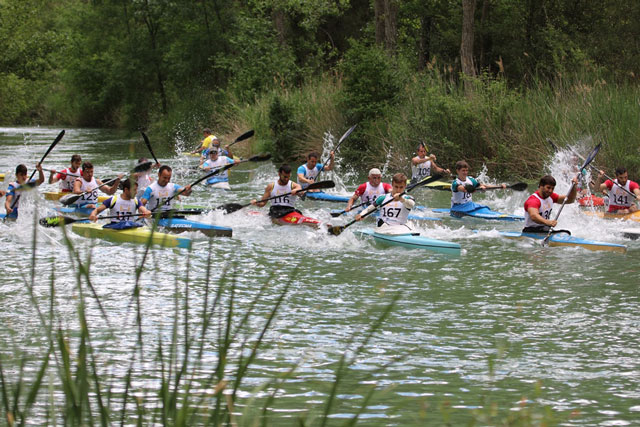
[591, 201]
[296, 218]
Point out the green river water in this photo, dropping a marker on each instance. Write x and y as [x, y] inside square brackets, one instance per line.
[508, 326]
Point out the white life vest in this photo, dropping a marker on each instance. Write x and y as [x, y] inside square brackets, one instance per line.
[158, 196]
[546, 205]
[311, 174]
[371, 193]
[421, 170]
[460, 197]
[618, 198]
[277, 190]
[66, 183]
[218, 163]
[123, 209]
[394, 213]
[91, 187]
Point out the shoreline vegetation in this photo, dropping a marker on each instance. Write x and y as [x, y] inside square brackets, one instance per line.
[488, 82]
[199, 371]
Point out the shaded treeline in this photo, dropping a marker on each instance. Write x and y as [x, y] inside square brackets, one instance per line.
[176, 66]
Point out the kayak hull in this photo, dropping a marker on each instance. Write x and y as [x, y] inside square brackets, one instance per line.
[56, 195]
[481, 213]
[178, 225]
[633, 216]
[435, 185]
[565, 239]
[412, 217]
[77, 210]
[412, 241]
[140, 235]
[295, 218]
[321, 195]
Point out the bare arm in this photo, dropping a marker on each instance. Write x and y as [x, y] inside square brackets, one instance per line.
[537, 218]
[267, 193]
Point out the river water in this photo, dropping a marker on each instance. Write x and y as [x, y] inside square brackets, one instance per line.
[507, 327]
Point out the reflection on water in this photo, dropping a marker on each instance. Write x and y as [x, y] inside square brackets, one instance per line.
[506, 321]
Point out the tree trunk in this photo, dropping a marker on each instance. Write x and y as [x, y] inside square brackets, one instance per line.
[390, 26]
[424, 42]
[378, 10]
[280, 23]
[466, 46]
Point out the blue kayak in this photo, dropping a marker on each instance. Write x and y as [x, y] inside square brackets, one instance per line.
[564, 238]
[321, 195]
[412, 241]
[74, 209]
[411, 216]
[475, 210]
[181, 224]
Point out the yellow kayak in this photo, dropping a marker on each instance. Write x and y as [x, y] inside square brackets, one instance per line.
[1, 177]
[633, 216]
[56, 195]
[131, 235]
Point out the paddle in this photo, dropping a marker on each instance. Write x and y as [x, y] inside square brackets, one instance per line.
[53, 144]
[61, 173]
[586, 163]
[148, 143]
[336, 214]
[72, 198]
[248, 134]
[232, 207]
[256, 158]
[593, 167]
[340, 141]
[518, 186]
[336, 230]
[60, 220]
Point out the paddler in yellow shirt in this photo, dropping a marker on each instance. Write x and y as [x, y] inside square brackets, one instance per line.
[206, 142]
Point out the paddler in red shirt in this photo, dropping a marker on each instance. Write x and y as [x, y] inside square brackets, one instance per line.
[371, 190]
[620, 201]
[537, 208]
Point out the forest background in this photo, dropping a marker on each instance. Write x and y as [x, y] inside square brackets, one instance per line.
[488, 80]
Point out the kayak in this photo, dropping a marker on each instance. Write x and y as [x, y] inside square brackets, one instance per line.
[633, 216]
[296, 218]
[56, 195]
[411, 216]
[631, 233]
[131, 235]
[566, 239]
[321, 195]
[482, 212]
[180, 224]
[412, 241]
[1, 177]
[73, 209]
[591, 201]
[218, 182]
[435, 185]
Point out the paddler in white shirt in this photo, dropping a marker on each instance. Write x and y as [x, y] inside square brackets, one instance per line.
[122, 206]
[87, 182]
[620, 201]
[394, 215]
[67, 181]
[423, 166]
[216, 161]
[144, 178]
[370, 190]
[156, 195]
[308, 172]
[537, 208]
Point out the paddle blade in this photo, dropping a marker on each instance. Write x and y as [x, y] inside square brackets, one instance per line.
[422, 182]
[246, 135]
[347, 133]
[56, 221]
[26, 186]
[519, 186]
[141, 167]
[335, 230]
[320, 185]
[230, 207]
[69, 199]
[337, 214]
[591, 156]
[259, 157]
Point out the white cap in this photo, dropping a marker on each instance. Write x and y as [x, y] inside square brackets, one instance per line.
[375, 171]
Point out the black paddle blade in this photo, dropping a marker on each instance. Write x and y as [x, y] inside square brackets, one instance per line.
[335, 230]
[141, 167]
[591, 156]
[337, 214]
[246, 135]
[259, 157]
[69, 199]
[230, 207]
[321, 185]
[56, 221]
[519, 186]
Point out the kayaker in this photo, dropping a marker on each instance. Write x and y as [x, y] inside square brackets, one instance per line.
[216, 161]
[156, 195]
[620, 201]
[67, 181]
[87, 183]
[12, 201]
[282, 209]
[537, 208]
[206, 141]
[394, 215]
[308, 172]
[144, 178]
[370, 190]
[462, 188]
[122, 206]
[423, 166]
